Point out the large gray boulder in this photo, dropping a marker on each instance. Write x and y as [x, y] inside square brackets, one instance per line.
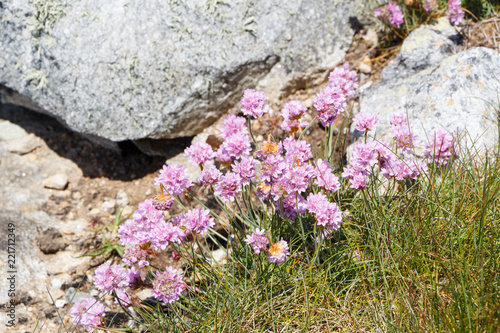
[128, 69]
[459, 93]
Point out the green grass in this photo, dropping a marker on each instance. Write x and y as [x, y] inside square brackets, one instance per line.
[421, 257]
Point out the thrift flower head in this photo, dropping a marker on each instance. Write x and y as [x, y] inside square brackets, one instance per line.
[210, 175]
[278, 252]
[441, 148]
[87, 313]
[325, 178]
[163, 201]
[174, 178]
[123, 298]
[292, 204]
[165, 233]
[110, 277]
[429, 5]
[268, 148]
[232, 125]
[199, 152]
[133, 277]
[228, 186]
[245, 169]
[396, 17]
[258, 240]
[236, 146]
[344, 79]
[402, 133]
[135, 255]
[297, 151]
[137, 230]
[292, 114]
[365, 121]
[199, 220]
[329, 102]
[253, 103]
[455, 12]
[168, 285]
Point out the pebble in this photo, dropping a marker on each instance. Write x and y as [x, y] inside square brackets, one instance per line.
[10, 131]
[308, 103]
[23, 145]
[365, 67]
[109, 206]
[58, 181]
[122, 198]
[371, 37]
[60, 303]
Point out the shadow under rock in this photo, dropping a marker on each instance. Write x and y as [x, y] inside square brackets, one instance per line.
[125, 163]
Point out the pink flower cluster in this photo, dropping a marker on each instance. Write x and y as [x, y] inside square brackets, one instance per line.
[391, 13]
[258, 240]
[365, 121]
[199, 153]
[174, 179]
[331, 101]
[88, 313]
[442, 147]
[253, 103]
[376, 158]
[236, 139]
[168, 285]
[455, 12]
[292, 114]
[429, 5]
[278, 252]
[327, 214]
[402, 133]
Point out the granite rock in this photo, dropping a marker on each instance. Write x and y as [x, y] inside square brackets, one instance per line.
[130, 70]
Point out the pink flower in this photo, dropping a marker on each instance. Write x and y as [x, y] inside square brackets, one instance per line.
[396, 17]
[232, 125]
[442, 147]
[137, 231]
[133, 277]
[325, 178]
[174, 178]
[199, 152]
[253, 103]
[165, 233]
[245, 169]
[258, 241]
[344, 79]
[168, 285]
[365, 121]
[292, 114]
[263, 191]
[297, 178]
[135, 255]
[329, 103]
[87, 313]
[429, 5]
[291, 205]
[110, 277]
[228, 186]
[210, 175]
[236, 146]
[455, 12]
[327, 214]
[122, 297]
[402, 133]
[278, 252]
[199, 220]
[163, 201]
[296, 151]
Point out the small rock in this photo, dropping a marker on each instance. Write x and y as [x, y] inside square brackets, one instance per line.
[122, 198]
[109, 206]
[365, 67]
[23, 145]
[77, 195]
[94, 292]
[58, 181]
[50, 241]
[95, 212]
[127, 210]
[66, 231]
[371, 37]
[60, 303]
[144, 293]
[10, 131]
[219, 256]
